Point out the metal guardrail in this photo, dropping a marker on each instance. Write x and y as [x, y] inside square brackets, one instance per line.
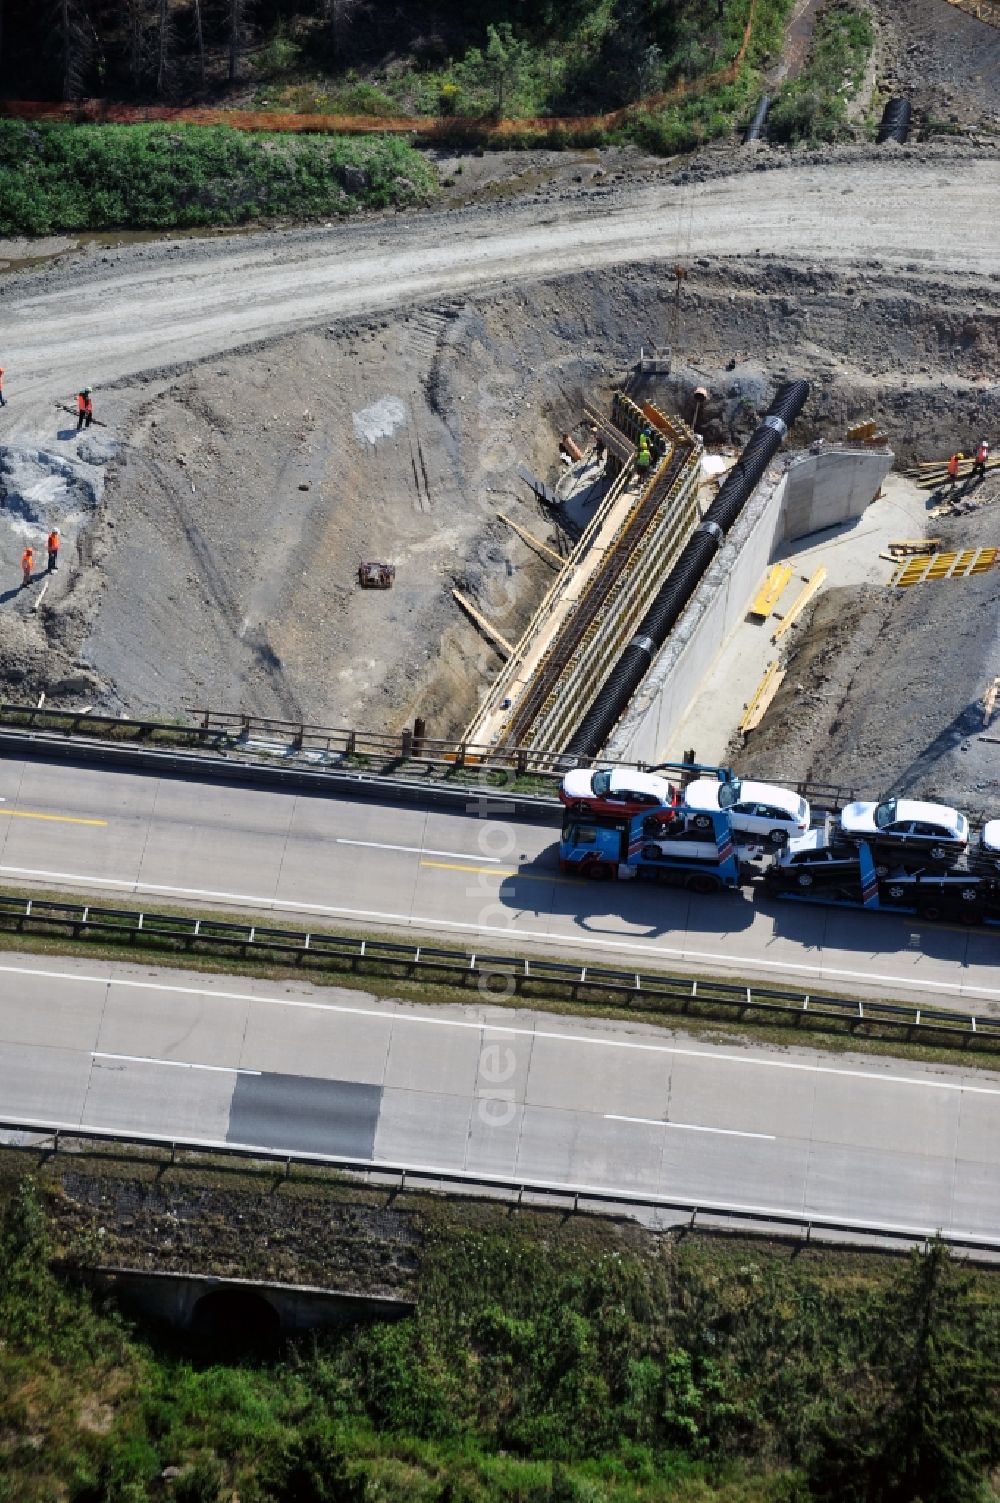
[579, 1199]
[262, 741]
[529, 977]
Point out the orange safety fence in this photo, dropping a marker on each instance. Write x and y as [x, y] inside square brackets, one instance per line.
[102, 112]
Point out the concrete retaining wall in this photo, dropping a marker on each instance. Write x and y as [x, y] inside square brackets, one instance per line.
[827, 488]
[813, 492]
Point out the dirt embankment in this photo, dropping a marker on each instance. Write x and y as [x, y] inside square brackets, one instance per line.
[221, 568]
[885, 687]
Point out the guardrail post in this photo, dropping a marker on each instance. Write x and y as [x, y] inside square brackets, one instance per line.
[406, 745]
[299, 738]
[522, 763]
[460, 756]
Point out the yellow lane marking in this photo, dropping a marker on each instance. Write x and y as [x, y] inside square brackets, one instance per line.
[495, 871]
[453, 866]
[60, 819]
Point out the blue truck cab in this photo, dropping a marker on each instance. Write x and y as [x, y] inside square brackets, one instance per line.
[671, 844]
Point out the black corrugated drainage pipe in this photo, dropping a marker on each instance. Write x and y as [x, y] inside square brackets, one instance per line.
[683, 579]
[756, 126]
[895, 124]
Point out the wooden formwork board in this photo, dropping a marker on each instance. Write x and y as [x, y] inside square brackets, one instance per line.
[771, 590]
[960, 565]
[800, 602]
[762, 697]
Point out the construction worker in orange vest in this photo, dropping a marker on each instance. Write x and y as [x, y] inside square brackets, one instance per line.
[27, 565]
[52, 548]
[953, 464]
[3, 399]
[979, 463]
[84, 408]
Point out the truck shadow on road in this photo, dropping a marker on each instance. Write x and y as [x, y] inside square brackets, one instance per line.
[874, 936]
[618, 911]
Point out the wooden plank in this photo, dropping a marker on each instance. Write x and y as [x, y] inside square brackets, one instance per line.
[800, 602]
[762, 697]
[771, 590]
[498, 641]
[534, 542]
[989, 702]
[915, 545]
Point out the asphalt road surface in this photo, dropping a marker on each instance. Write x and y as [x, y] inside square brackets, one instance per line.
[509, 1095]
[167, 305]
[492, 883]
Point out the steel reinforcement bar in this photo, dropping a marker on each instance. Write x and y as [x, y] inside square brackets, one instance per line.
[542, 979]
[49, 1137]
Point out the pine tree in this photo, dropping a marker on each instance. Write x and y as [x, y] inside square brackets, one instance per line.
[933, 1431]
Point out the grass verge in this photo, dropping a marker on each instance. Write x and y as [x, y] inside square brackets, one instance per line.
[549, 1360]
[814, 107]
[59, 177]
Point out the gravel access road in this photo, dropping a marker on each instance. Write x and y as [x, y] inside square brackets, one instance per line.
[149, 308]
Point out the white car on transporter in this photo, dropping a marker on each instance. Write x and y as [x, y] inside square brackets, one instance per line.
[907, 825]
[761, 809]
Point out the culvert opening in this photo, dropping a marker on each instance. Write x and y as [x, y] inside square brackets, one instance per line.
[236, 1318]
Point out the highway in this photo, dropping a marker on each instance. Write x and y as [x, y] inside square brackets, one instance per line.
[492, 884]
[504, 1094]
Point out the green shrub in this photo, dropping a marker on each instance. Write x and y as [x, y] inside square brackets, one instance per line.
[99, 177]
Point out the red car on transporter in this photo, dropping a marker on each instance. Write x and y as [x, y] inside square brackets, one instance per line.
[615, 790]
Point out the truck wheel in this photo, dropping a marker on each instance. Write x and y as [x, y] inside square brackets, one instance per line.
[896, 892]
[598, 871]
[702, 822]
[703, 883]
[931, 912]
[805, 879]
[938, 853]
[778, 837]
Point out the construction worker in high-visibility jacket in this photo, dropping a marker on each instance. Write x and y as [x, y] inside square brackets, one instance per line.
[52, 548]
[84, 409]
[953, 469]
[27, 566]
[3, 399]
[643, 458]
[979, 462]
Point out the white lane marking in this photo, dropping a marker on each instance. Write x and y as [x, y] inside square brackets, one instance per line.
[573, 941]
[795, 1217]
[727, 1132]
[175, 1064]
[491, 1028]
[416, 850]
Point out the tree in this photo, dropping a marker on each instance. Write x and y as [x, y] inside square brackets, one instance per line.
[502, 66]
[936, 1432]
[237, 15]
[199, 36]
[72, 44]
[164, 48]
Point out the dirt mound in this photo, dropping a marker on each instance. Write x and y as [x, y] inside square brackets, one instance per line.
[884, 687]
[946, 61]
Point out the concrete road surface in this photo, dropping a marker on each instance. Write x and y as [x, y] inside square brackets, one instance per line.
[159, 306]
[490, 883]
[510, 1095]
